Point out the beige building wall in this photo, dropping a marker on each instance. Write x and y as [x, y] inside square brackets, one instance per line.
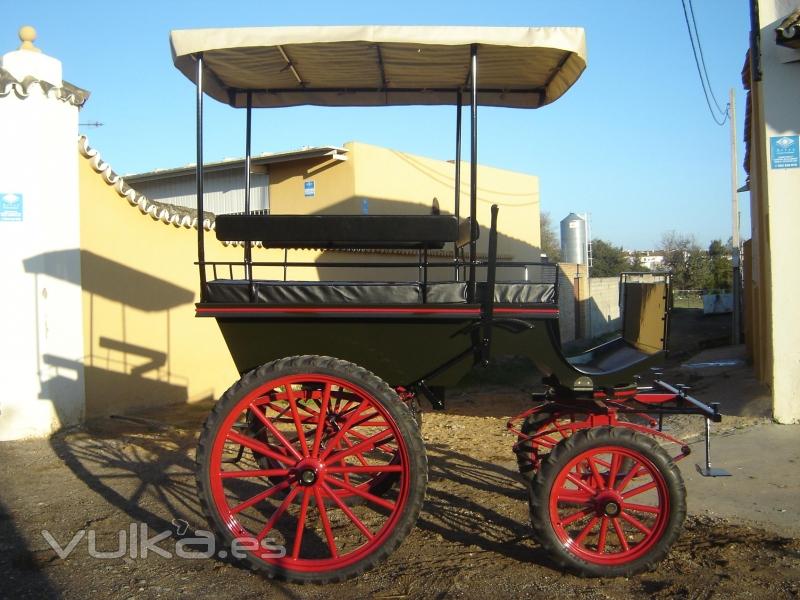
[143, 346]
[775, 215]
[417, 180]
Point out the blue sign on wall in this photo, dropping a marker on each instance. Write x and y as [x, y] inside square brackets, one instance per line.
[309, 189]
[784, 152]
[10, 207]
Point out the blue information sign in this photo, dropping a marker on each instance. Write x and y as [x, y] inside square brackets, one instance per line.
[309, 189]
[10, 207]
[784, 152]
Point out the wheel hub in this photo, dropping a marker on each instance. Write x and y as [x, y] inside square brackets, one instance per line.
[307, 477]
[308, 472]
[608, 504]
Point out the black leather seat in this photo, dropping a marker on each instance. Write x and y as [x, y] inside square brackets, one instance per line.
[237, 291]
[339, 231]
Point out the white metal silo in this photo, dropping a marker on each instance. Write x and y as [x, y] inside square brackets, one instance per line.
[574, 240]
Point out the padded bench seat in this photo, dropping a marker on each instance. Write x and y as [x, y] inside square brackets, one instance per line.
[519, 292]
[237, 291]
[339, 231]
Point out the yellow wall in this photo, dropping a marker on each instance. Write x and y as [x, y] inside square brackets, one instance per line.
[143, 345]
[387, 177]
[334, 187]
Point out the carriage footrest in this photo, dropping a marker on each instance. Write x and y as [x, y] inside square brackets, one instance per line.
[709, 471]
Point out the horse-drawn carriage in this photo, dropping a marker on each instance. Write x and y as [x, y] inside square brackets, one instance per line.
[312, 464]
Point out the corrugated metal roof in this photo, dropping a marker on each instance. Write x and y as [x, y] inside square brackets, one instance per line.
[332, 152]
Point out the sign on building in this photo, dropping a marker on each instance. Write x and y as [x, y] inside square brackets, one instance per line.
[10, 207]
[784, 152]
[309, 189]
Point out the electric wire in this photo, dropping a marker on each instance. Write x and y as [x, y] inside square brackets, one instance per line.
[703, 60]
[703, 82]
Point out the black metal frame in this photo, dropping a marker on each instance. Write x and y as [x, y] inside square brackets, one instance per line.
[470, 265]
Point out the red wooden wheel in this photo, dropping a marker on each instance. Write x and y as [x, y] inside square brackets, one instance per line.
[318, 433]
[608, 501]
[541, 432]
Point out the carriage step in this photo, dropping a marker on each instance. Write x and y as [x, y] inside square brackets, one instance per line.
[709, 471]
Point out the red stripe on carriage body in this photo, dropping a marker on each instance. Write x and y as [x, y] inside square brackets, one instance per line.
[374, 310]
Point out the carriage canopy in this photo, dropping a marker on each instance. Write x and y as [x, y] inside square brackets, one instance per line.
[519, 67]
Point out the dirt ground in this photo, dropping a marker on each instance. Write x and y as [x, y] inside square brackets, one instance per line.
[472, 539]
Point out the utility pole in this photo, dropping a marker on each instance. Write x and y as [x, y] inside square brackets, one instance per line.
[736, 326]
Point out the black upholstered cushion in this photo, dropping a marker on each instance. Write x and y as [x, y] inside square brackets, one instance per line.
[313, 292]
[339, 231]
[446, 292]
[519, 292]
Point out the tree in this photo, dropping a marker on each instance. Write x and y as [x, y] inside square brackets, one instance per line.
[688, 262]
[721, 266]
[549, 239]
[608, 260]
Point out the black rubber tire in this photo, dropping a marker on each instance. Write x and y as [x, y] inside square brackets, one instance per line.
[573, 446]
[525, 448]
[381, 393]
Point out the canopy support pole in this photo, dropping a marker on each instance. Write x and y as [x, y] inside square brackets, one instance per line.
[473, 190]
[458, 177]
[201, 254]
[248, 257]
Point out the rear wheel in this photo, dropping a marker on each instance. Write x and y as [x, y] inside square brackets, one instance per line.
[318, 432]
[607, 502]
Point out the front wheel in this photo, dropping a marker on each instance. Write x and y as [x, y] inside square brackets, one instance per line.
[607, 502]
[286, 448]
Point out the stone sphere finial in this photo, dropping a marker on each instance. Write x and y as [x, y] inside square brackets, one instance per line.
[27, 35]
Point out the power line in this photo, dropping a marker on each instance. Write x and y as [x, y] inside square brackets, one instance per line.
[705, 84]
[703, 60]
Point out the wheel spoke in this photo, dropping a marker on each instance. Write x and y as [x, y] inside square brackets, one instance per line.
[598, 479]
[642, 508]
[628, 476]
[323, 412]
[355, 469]
[383, 447]
[301, 523]
[586, 530]
[359, 456]
[296, 418]
[347, 425]
[361, 527]
[576, 516]
[620, 535]
[601, 540]
[259, 447]
[260, 496]
[274, 431]
[254, 473]
[571, 477]
[639, 490]
[573, 497]
[277, 514]
[636, 523]
[367, 444]
[326, 524]
[366, 495]
[613, 471]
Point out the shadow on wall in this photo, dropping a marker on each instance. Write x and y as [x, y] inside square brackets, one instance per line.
[120, 304]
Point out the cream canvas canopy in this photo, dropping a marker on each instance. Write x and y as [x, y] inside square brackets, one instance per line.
[522, 67]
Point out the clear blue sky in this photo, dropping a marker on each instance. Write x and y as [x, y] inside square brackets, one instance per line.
[632, 142]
